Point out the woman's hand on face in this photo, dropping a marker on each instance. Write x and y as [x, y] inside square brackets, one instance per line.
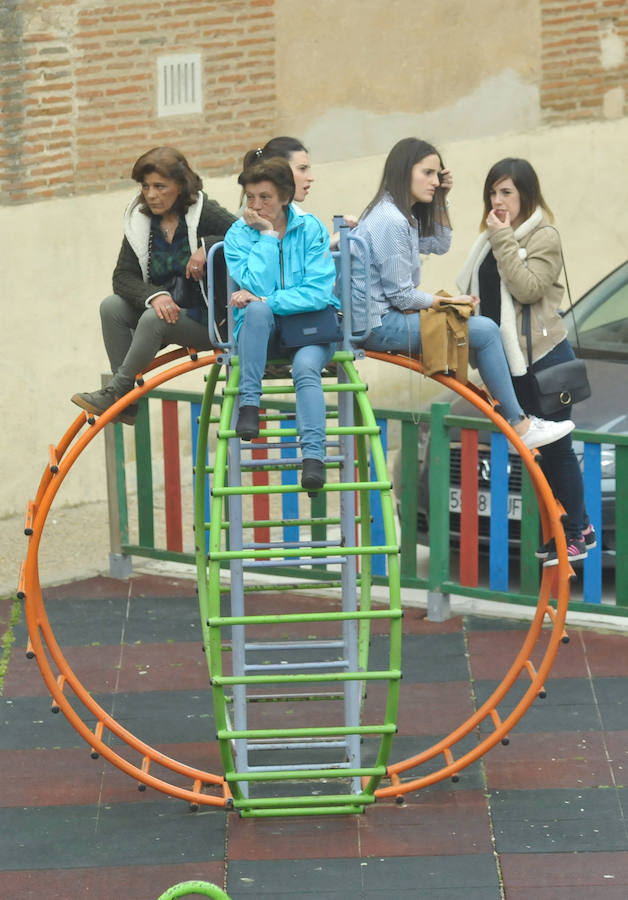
[166, 308]
[243, 298]
[255, 220]
[196, 265]
[446, 180]
[497, 219]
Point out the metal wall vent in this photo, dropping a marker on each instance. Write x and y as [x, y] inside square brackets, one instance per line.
[179, 84]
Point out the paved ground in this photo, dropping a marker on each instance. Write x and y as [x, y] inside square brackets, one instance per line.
[544, 817]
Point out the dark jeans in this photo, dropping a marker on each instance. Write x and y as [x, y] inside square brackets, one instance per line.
[558, 460]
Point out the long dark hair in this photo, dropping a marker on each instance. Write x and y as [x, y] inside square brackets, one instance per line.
[276, 170]
[524, 179]
[169, 163]
[396, 180]
[278, 146]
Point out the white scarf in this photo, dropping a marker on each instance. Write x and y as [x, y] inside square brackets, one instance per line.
[468, 283]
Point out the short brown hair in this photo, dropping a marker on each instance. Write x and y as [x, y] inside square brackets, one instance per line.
[275, 170]
[170, 163]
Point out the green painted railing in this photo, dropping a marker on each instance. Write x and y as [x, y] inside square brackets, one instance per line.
[592, 592]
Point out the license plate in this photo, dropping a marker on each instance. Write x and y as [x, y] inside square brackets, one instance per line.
[484, 503]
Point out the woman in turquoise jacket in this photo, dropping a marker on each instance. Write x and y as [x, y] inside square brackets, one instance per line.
[280, 259]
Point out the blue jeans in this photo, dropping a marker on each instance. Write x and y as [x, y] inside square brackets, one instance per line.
[558, 460]
[257, 340]
[402, 334]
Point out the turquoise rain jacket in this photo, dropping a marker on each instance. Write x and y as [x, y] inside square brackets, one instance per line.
[295, 274]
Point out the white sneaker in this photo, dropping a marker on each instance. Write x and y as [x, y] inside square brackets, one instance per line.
[542, 432]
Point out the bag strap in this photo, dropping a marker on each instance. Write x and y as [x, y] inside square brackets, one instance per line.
[526, 330]
[562, 259]
[573, 315]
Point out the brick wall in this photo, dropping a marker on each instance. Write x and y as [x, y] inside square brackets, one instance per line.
[584, 61]
[79, 93]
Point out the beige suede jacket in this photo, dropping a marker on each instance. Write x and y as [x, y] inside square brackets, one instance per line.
[533, 281]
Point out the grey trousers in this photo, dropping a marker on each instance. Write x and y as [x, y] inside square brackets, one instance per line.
[133, 337]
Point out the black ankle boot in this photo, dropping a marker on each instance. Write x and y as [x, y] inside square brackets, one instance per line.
[247, 426]
[313, 474]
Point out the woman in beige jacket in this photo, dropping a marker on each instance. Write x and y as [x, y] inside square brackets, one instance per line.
[515, 263]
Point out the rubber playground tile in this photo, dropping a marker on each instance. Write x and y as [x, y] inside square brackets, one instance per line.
[81, 622]
[405, 748]
[559, 821]
[493, 653]
[159, 586]
[415, 621]
[598, 872]
[98, 588]
[160, 717]
[612, 699]
[137, 882]
[294, 878]
[28, 723]
[617, 745]
[607, 654]
[93, 836]
[557, 759]
[292, 837]
[162, 620]
[159, 667]
[568, 893]
[97, 668]
[348, 878]
[427, 828]
[568, 706]
[489, 623]
[49, 777]
[425, 659]
[426, 708]
[437, 876]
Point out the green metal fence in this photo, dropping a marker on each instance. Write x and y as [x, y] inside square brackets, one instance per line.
[507, 571]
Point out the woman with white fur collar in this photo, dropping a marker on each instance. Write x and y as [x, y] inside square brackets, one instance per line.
[516, 262]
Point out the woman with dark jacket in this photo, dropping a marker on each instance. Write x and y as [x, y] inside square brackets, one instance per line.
[514, 267]
[157, 298]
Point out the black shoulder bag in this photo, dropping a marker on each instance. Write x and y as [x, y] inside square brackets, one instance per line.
[557, 386]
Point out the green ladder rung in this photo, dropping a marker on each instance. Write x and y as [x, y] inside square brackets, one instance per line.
[270, 389]
[384, 675]
[278, 733]
[302, 811]
[303, 552]
[270, 467]
[331, 431]
[303, 802]
[297, 489]
[269, 523]
[279, 618]
[306, 775]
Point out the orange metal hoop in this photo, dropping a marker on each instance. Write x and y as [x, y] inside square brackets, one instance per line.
[210, 789]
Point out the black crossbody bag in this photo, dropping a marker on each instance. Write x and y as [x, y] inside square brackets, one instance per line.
[320, 326]
[557, 386]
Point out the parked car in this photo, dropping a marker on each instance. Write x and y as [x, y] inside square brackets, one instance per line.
[598, 331]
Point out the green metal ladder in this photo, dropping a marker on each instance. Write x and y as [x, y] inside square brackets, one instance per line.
[275, 662]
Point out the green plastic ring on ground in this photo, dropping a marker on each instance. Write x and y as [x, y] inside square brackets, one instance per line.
[194, 887]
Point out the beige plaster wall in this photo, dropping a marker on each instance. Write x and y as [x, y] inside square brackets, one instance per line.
[354, 77]
[59, 255]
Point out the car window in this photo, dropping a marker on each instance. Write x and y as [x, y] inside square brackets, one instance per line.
[602, 318]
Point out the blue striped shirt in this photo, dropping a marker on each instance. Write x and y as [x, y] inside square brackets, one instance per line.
[395, 247]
